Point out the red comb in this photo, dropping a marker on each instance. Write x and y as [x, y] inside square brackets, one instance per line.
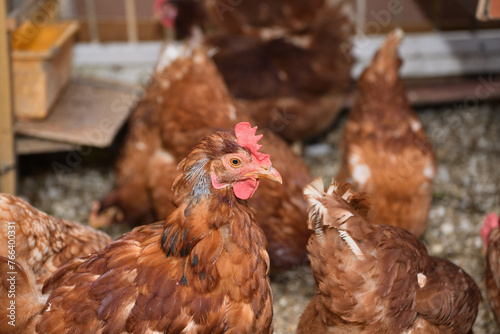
[246, 137]
[490, 222]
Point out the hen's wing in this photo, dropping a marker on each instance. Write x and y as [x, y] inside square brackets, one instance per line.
[448, 297]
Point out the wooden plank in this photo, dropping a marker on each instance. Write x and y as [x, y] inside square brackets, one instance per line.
[470, 91]
[90, 112]
[92, 21]
[116, 30]
[29, 145]
[441, 91]
[131, 17]
[7, 155]
[437, 54]
[360, 16]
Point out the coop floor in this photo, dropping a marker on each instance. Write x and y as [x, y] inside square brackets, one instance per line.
[467, 186]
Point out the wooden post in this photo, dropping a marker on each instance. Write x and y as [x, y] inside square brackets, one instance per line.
[7, 154]
[92, 21]
[131, 17]
[360, 17]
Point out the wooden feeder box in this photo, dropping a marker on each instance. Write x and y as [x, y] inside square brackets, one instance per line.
[41, 66]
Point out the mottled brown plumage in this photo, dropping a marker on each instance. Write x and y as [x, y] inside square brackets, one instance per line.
[186, 101]
[42, 242]
[288, 61]
[491, 239]
[203, 270]
[378, 278]
[385, 150]
[21, 301]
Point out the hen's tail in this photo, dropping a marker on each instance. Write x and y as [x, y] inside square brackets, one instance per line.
[335, 206]
[338, 208]
[20, 301]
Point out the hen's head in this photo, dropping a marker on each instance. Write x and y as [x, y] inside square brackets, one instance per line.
[225, 161]
[490, 222]
[166, 11]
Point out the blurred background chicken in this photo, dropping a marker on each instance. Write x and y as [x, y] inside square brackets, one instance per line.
[385, 150]
[288, 61]
[43, 243]
[378, 278]
[203, 270]
[186, 101]
[490, 233]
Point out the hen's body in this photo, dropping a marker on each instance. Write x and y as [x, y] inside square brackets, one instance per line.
[203, 270]
[385, 150]
[188, 100]
[288, 61]
[42, 242]
[378, 278]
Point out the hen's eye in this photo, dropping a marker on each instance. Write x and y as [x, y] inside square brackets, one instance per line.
[235, 162]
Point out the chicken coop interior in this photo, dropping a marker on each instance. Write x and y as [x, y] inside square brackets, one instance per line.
[103, 104]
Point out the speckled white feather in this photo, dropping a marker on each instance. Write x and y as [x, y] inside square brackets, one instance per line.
[170, 53]
[353, 246]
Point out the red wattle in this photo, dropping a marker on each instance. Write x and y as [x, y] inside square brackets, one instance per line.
[245, 189]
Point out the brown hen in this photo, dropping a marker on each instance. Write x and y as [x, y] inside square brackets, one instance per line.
[378, 278]
[44, 243]
[186, 101]
[288, 61]
[490, 234]
[385, 150]
[203, 270]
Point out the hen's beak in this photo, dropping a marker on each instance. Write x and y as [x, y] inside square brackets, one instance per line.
[265, 172]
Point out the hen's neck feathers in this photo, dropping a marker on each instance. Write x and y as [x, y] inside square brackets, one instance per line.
[381, 86]
[193, 187]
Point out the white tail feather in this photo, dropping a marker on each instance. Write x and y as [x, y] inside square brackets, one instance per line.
[353, 246]
[318, 213]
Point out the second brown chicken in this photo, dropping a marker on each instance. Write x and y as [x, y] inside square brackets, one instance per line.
[385, 150]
